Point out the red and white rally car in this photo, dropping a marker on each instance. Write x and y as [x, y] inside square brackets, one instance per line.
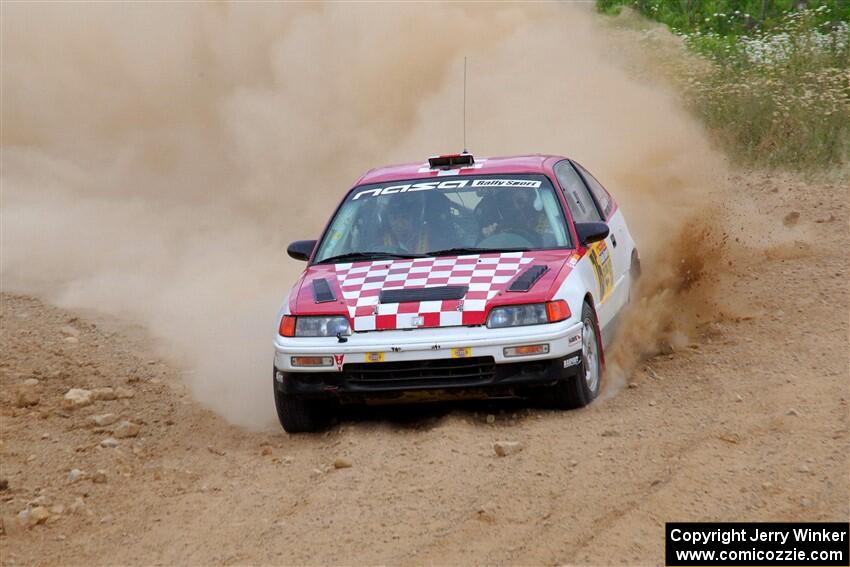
[459, 276]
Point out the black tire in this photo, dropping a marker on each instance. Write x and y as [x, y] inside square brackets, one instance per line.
[297, 415]
[575, 391]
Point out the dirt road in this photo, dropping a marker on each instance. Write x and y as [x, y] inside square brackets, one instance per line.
[749, 421]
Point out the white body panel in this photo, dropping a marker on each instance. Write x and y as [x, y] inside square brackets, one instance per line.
[621, 249]
[563, 338]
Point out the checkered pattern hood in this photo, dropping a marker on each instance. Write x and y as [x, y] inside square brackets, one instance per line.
[358, 286]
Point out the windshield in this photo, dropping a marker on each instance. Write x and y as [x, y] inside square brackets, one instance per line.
[450, 215]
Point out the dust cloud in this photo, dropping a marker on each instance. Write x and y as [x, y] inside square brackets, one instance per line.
[156, 159]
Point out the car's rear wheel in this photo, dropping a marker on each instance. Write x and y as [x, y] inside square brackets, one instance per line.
[297, 415]
[579, 390]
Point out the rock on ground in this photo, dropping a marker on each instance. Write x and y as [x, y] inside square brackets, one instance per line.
[124, 393]
[505, 448]
[77, 398]
[33, 516]
[69, 331]
[103, 420]
[103, 394]
[27, 394]
[126, 429]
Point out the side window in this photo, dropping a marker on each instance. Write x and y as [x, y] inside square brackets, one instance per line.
[599, 192]
[581, 204]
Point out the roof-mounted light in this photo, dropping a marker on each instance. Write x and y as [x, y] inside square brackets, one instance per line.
[451, 161]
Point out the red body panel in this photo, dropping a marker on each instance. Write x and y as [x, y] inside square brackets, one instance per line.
[482, 166]
[357, 286]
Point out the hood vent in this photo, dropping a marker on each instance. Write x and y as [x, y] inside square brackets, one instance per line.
[423, 294]
[322, 292]
[528, 278]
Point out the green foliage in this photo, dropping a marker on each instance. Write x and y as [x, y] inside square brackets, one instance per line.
[775, 86]
[728, 17]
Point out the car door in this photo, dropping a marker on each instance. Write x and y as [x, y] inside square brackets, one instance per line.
[621, 239]
[584, 209]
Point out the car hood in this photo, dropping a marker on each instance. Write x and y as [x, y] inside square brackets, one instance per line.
[444, 291]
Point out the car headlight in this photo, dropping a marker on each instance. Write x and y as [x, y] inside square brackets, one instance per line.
[530, 314]
[321, 326]
[314, 326]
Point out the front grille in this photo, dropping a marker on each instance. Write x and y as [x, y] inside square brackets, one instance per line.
[455, 371]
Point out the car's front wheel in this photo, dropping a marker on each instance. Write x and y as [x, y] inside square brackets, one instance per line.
[579, 390]
[298, 415]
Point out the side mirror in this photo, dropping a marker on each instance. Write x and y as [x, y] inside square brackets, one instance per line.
[301, 249]
[590, 232]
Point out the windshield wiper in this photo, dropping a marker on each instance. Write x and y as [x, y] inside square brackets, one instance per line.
[355, 256]
[472, 250]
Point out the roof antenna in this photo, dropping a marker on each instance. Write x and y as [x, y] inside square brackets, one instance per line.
[464, 105]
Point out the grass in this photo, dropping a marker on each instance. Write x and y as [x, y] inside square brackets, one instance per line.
[774, 88]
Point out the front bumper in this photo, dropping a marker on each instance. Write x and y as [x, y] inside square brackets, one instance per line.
[454, 358]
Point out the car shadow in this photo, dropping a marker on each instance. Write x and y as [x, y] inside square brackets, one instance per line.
[427, 415]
